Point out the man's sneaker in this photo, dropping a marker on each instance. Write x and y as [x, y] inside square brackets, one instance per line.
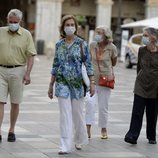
[11, 137]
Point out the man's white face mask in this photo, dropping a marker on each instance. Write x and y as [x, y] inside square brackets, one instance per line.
[13, 26]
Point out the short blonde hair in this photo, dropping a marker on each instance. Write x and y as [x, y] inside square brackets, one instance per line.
[107, 32]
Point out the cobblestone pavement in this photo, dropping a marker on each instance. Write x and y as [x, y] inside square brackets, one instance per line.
[37, 126]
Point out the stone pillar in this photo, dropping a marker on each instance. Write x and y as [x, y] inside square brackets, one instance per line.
[103, 15]
[31, 17]
[151, 8]
[48, 18]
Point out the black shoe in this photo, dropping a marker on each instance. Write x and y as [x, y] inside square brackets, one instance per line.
[62, 153]
[11, 137]
[130, 140]
[0, 138]
[152, 142]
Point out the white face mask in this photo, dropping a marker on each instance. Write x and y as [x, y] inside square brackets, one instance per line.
[69, 30]
[145, 40]
[98, 38]
[13, 27]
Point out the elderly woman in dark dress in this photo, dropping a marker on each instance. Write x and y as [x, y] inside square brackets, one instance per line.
[146, 89]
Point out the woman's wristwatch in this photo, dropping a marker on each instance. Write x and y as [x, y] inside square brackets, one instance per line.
[92, 82]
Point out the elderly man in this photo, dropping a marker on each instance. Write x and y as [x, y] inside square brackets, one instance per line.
[16, 50]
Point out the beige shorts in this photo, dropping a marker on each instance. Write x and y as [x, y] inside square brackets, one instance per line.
[11, 83]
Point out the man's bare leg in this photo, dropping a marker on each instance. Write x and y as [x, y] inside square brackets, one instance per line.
[1, 117]
[14, 112]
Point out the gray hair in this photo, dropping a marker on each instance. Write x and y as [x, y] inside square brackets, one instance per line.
[15, 12]
[107, 32]
[151, 31]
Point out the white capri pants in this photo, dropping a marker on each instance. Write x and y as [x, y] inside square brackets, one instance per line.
[101, 98]
[71, 113]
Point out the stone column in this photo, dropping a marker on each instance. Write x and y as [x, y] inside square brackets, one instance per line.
[48, 17]
[151, 8]
[103, 15]
[31, 16]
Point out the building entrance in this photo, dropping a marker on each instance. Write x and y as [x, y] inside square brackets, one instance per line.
[6, 5]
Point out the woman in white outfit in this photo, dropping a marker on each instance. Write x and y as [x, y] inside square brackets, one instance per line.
[69, 89]
[104, 52]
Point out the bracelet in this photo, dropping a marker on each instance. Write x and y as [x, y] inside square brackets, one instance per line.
[92, 81]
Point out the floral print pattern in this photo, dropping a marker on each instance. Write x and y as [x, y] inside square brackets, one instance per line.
[67, 68]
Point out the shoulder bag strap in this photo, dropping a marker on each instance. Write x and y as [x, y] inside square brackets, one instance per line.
[81, 52]
[97, 59]
[99, 65]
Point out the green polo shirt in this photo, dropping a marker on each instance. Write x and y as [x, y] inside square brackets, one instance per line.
[15, 48]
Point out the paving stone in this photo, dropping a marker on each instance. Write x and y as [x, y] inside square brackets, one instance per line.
[37, 129]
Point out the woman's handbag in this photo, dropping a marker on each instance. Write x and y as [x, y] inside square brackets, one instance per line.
[84, 71]
[105, 80]
[85, 76]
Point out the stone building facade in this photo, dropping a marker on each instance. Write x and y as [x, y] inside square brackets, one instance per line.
[42, 17]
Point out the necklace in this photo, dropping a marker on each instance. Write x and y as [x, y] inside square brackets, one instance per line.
[69, 40]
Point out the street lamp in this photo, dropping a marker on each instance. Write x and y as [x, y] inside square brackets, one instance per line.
[118, 29]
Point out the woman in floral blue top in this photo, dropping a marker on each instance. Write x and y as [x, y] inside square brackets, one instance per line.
[66, 74]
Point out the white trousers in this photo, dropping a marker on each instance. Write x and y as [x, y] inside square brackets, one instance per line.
[101, 98]
[71, 113]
